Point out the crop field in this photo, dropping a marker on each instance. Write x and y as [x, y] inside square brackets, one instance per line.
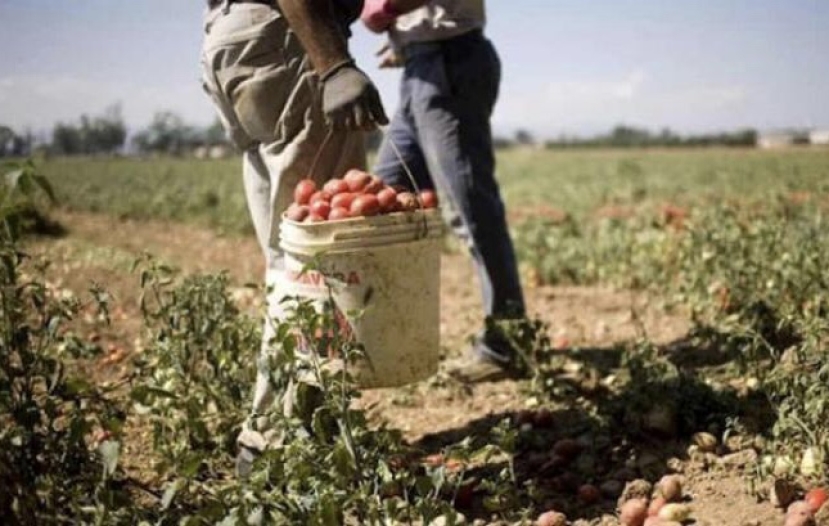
[675, 351]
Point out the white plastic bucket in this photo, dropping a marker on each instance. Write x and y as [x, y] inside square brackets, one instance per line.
[387, 269]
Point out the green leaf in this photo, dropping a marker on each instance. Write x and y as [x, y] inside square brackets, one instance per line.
[12, 178]
[191, 465]
[45, 186]
[328, 513]
[342, 460]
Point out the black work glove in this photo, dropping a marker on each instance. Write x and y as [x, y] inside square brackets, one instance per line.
[350, 100]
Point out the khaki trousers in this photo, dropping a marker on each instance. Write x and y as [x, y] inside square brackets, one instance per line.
[268, 99]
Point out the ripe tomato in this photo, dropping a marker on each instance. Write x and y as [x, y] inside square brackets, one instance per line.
[365, 205]
[374, 185]
[321, 195]
[656, 504]
[304, 190]
[297, 212]
[388, 199]
[338, 212]
[343, 200]
[815, 498]
[314, 218]
[321, 208]
[428, 198]
[356, 180]
[335, 186]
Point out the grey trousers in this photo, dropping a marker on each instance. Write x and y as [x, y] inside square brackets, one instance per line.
[268, 99]
[442, 130]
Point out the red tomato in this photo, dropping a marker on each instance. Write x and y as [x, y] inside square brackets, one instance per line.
[633, 512]
[551, 518]
[101, 435]
[343, 200]
[304, 190]
[297, 212]
[365, 205]
[589, 494]
[567, 448]
[321, 208]
[543, 418]
[335, 186]
[428, 198]
[465, 495]
[322, 195]
[388, 199]
[815, 498]
[407, 201]
[314, 218]
[656, 504]
[356, 180]
[338, 212]
[374, 185]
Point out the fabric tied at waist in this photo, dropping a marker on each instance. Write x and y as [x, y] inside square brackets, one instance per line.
[432, 46]
[213, 4]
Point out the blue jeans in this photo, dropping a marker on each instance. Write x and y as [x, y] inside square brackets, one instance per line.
[442, 129]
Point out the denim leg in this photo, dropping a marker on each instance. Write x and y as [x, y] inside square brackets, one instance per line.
[402, 135]
[453, 92]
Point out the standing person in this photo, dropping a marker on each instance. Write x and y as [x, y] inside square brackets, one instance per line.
[442, 130]
[288, 93]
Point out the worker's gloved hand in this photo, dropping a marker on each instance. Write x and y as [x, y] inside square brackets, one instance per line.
[350, 100]
[378, 15]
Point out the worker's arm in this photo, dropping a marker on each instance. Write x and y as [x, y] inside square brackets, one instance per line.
[349, 99]
[404, 6]
[379, 15]
[314, 24]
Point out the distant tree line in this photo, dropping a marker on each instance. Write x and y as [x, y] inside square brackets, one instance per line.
[168, 134]
[13, 144]
[623, 136]
[107, 134]
[104, 134]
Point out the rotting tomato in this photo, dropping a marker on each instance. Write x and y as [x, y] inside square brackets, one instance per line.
[407, 201]
[375, 184]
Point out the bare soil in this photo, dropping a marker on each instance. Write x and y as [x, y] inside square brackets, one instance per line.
[101, 249]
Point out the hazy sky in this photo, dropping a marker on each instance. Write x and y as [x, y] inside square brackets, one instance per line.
[569, 66]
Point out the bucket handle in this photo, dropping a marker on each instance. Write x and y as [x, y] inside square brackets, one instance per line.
[411, 177]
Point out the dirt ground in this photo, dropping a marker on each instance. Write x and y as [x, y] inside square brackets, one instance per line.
[101, 249]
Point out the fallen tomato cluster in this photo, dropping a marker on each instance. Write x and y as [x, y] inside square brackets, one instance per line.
[357, 194]
[805, 512]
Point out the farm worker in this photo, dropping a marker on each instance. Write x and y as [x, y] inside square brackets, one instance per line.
[288, 93]
[442, 129]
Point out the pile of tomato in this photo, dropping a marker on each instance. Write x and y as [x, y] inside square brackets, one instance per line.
[356, 194]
